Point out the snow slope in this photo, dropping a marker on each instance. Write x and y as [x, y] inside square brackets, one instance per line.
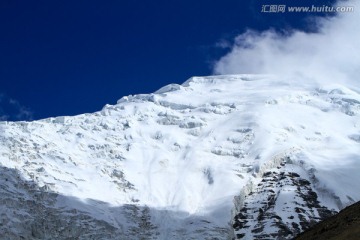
[220, 157]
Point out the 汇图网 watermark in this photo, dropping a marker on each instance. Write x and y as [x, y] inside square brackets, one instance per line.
[312, 9]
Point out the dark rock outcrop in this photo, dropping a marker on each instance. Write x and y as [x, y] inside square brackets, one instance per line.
[343, 226]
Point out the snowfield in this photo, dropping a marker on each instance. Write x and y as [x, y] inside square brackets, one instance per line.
[220, 157]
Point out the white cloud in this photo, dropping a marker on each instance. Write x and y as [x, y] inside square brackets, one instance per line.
[12, 110]
[332, 54]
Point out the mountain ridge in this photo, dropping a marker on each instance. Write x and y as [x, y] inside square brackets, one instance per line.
[343, 225]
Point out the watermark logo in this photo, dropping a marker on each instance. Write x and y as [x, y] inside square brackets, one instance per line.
[303, 9]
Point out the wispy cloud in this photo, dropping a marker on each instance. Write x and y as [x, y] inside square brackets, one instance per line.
[12, 110]
[331, 54]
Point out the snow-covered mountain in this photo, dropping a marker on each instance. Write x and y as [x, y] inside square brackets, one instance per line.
[220, 157]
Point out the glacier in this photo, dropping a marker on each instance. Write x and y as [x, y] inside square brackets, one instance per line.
[218, 157]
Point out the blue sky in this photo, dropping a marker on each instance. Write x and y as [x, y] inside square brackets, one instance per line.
[72, 57]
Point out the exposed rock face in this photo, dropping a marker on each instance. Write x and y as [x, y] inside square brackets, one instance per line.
[281, 205]
[342, 226]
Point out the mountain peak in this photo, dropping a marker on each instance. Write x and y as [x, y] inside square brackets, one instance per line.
[234, 156]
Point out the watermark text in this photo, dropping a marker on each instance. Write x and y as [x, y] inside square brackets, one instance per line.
[312, 9]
